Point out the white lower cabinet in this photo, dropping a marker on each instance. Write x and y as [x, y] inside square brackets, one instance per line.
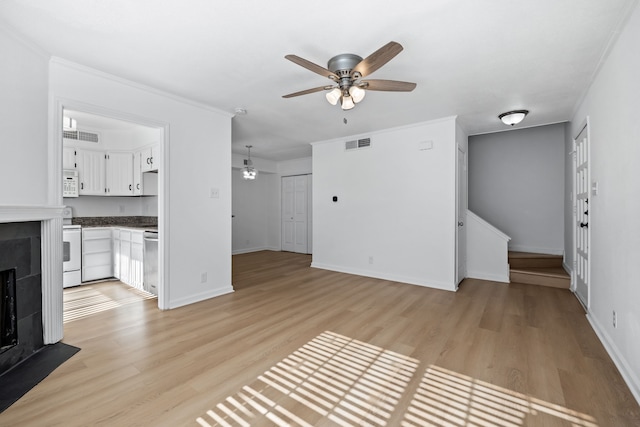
[136, 269]
[128, 258]
[97, 254]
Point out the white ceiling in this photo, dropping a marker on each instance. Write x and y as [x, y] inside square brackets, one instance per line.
[470, 58]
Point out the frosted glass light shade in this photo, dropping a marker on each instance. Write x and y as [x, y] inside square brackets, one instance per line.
[347, 102]
[357, 93]
[512, 118]
[333, 96]
[249, 173]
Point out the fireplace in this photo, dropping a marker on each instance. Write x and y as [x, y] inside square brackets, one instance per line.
[31, 242]
[20, 274]
[8, 310]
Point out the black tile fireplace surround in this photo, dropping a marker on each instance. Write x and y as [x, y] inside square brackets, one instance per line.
[20, 248]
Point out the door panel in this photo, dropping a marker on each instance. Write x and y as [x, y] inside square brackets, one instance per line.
[582, 215]
[295, 213]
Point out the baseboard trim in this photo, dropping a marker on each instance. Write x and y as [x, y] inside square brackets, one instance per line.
[201, 296]
[391, 277]
[569, 271]
[249, 250]
[627, 373]
[488, 276]
[534, 250]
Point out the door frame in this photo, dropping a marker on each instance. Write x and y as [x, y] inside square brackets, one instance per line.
[461, 215]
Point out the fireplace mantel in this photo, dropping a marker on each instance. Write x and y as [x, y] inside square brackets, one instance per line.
[50, 218]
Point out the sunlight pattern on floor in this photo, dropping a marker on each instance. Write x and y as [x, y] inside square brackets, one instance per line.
[83, 301]
[447, 399]
[332, 379]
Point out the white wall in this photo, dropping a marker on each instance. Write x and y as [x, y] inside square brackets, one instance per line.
[251, 201]
[516, 182]
[23, 134]
[611, 104]
[195, 229]
[256, 204]
[396, 205]
[112, 206]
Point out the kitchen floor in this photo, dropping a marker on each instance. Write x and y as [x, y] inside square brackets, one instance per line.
[83, 301]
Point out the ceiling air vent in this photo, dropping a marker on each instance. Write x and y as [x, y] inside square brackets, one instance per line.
[357, 143]
[79, 135]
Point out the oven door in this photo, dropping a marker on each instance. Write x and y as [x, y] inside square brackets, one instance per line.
[71, 255]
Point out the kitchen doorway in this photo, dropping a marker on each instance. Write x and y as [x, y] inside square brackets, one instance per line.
[117, 162]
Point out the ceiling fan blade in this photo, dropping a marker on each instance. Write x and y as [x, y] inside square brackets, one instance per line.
[377, 59]
[387, 85]
[313, 67]
[305, 92]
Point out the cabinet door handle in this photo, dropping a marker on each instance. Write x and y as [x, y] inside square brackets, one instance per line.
[138, 186]
[130, 187]
[82, 185]
[148, 160]
[151, 159]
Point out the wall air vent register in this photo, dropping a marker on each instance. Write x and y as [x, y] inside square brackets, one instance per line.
[357, 143]
[81, 135]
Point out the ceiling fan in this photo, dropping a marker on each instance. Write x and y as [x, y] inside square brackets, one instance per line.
[346, 71]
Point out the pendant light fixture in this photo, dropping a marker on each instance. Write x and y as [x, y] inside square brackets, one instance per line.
[511, 118]
[249, 172]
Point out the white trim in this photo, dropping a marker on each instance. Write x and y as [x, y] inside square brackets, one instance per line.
[250, 250]
[50, 218]
[490, 277]
[181, 302]
[509, 129]
[391, 277]
[630, 378]
[29, 213]
[383, 131]
[135, 85]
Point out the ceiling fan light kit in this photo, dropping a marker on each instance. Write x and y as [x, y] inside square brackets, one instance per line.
[512, 118]
[346, 70]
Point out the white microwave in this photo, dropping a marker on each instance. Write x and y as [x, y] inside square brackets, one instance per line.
[70, 183]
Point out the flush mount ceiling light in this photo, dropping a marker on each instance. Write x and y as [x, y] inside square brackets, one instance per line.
[514, 117]
[346, 70]
[249, 172]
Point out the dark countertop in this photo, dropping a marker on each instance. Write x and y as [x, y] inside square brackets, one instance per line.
[147, 223]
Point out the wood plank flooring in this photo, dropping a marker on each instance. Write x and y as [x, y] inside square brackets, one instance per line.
[302, 346]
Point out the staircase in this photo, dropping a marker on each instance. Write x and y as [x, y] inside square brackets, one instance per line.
[538, 269]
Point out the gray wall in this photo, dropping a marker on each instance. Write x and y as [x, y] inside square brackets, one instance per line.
[516, 183]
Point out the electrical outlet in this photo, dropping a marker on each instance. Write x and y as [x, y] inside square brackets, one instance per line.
[121, 208]
[214, 193]
[370, 260]
[203, 278]
[615, 319]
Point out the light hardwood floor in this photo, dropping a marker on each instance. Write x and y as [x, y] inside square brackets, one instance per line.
[311, 347]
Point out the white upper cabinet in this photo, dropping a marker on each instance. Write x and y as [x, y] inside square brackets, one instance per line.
[69, 158]
[119, 173]
[137, 173]
[151, 158]
[91, 166]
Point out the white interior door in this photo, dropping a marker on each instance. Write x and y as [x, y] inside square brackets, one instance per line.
[461, 214]
[295, 213]
[581, 214]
